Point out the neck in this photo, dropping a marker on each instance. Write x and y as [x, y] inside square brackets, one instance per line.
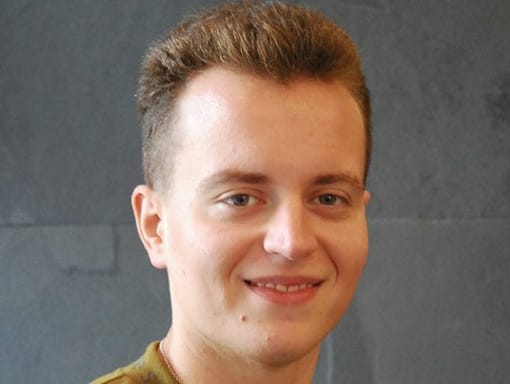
[199, 363]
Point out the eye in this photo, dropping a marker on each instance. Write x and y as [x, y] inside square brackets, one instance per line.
[241, 200]
[330, 199]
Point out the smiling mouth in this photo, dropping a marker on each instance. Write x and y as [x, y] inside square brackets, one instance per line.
[282, 288]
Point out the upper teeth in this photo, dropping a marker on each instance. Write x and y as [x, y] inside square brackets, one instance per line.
[284, 288]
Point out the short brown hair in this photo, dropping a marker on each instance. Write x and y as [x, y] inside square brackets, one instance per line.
[275, 40]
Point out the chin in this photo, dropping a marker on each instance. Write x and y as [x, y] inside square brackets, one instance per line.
[284, 349]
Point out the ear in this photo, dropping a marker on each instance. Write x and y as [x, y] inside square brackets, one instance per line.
[148, 212]
[366, 197]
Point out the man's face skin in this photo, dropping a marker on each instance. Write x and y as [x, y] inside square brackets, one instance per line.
[263, 232]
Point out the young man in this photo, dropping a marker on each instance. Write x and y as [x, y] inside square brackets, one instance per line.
[256, 144]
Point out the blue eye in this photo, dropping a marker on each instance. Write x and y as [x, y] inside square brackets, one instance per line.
[327, 199]
[330, 199]
[240, 200]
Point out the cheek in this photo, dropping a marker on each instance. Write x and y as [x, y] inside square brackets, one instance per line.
[349, 252]
[211, 252]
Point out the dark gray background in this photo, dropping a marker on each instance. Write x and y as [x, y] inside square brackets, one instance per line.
[79, 298]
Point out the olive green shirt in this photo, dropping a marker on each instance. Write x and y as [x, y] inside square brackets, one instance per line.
[148, 369]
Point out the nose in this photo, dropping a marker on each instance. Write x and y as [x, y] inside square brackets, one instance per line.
[290, 232]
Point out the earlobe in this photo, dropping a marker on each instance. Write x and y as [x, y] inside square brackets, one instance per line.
[147, 210]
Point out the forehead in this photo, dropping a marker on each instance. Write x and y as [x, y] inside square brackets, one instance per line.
[218, 93]
[222, 112]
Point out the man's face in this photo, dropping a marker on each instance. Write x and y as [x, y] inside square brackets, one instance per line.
[264, 228]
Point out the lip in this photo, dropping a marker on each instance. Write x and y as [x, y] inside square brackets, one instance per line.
[289, 290]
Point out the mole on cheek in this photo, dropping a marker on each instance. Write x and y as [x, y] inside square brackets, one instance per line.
[242, 318]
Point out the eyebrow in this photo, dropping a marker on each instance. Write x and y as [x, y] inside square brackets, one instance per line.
[235, 176]
[339, 178]
[232, 176]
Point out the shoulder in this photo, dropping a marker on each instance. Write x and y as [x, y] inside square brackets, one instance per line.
[148, 369]
[116, 377]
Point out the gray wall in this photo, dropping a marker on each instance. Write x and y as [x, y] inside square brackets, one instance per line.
[77, 294]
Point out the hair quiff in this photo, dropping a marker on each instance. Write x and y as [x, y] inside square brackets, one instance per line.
[271, 39]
